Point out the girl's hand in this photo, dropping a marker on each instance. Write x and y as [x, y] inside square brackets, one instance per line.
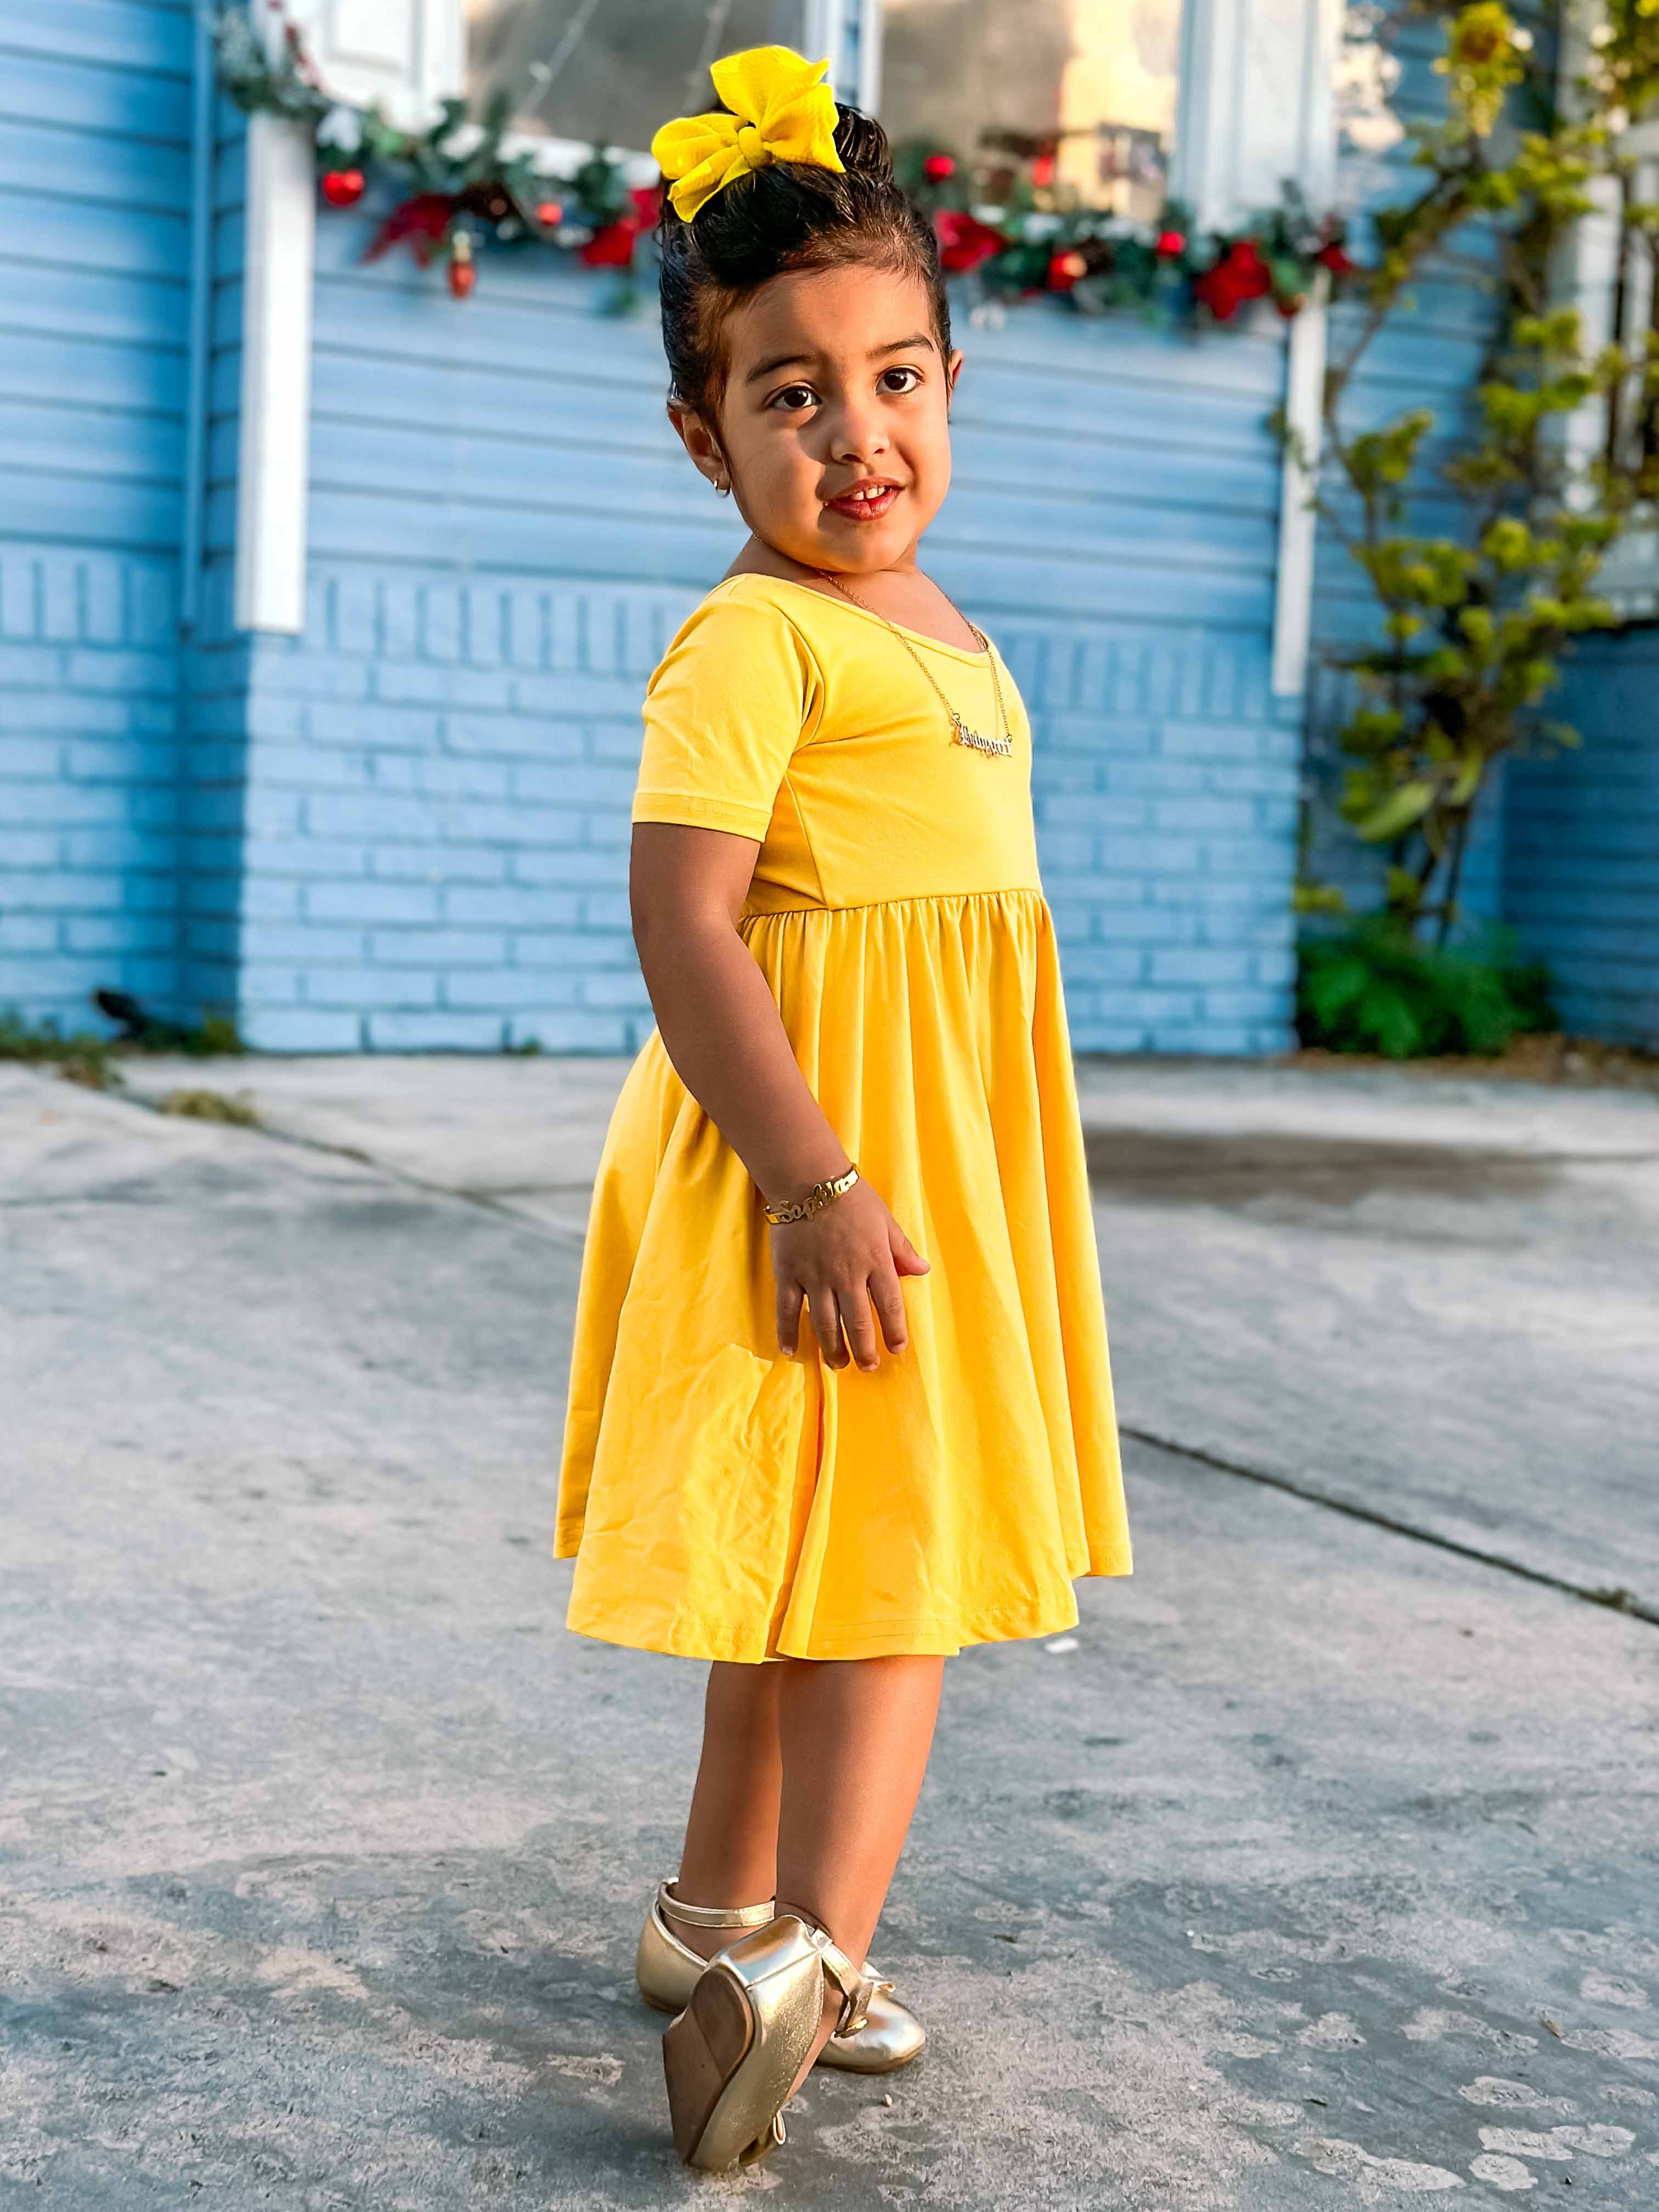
[846, 1258]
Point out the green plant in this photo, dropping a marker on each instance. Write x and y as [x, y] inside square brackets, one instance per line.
[85, 1057]
[1475, 622]
[1371, 987]
[212, 1106]
[80, 1058]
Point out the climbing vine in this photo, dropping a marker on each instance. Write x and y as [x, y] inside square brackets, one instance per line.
[1475, 621]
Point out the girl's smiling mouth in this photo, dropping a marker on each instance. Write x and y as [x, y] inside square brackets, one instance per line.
[866, 501]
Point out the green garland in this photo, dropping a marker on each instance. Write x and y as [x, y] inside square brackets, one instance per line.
[457, 187]
[455, 184]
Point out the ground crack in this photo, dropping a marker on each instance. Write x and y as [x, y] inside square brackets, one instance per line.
[1613, 1601]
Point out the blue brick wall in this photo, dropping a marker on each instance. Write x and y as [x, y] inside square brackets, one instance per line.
[1581, 866]
[89, 764]
[94, 127]
[433, 827]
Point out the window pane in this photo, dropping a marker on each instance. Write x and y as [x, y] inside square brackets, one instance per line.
[614, 71]
[1083, 91]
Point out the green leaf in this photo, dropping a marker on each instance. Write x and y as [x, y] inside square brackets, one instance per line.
[1397, 812]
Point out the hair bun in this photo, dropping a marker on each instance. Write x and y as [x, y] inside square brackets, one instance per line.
[862, 144]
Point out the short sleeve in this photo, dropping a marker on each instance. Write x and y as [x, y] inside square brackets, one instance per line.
[732, 699]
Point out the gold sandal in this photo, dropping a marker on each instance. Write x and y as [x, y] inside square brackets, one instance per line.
[733, 2056]
[666, 1971]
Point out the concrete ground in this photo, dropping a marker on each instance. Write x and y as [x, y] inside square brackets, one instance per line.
[1319, 1868]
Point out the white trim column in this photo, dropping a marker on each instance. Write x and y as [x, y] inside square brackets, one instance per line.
[274, 446]
[1299, 525]
[408, 55]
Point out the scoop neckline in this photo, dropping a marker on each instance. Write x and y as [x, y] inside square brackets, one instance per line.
[835, 599]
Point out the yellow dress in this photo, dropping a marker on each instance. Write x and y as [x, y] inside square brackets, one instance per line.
[722, 1500]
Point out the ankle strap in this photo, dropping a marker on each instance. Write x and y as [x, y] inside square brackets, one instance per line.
[711, 1916]
[858, 1985]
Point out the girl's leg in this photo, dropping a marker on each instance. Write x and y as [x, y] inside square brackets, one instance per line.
[732, 1833]
[809, 1775]
[855, 1735]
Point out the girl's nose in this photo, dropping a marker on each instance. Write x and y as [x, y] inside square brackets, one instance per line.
[857, 436]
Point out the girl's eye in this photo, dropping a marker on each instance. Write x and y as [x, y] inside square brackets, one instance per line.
[793, 398]
[909, 378]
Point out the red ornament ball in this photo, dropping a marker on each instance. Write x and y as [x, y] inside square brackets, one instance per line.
[1334, 259]
[549, 214]
[1064, 269]
[343, 188]
[1168, 244]
[938, 167]
[463, 275]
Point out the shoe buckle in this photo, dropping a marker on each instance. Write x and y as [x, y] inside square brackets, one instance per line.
[858, 1992]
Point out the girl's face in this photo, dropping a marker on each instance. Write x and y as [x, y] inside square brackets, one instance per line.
[834, 429]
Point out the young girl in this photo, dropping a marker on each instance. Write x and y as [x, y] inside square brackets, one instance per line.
[858, 1104]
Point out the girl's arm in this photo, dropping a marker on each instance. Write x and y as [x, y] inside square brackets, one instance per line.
[722, 1032]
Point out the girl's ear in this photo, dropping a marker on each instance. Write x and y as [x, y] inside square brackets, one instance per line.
[953, 370]
[702, 444]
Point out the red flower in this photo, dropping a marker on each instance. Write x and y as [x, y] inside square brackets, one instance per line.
[1064, 269]
[1169, 243]
[1250, 272]
[938, 167]
[1240, 274]
[1333, 257]
[343, 188]
[964, 240]
[611, 247]
[423, 221]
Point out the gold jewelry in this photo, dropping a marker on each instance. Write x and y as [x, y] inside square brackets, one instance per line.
[960, 733]
[803, 1209]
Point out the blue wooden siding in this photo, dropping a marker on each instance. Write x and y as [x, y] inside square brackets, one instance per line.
[95, 222]
[504, 532]
[1582, 867]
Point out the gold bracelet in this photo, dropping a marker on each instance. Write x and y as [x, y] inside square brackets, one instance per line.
[803, 1209]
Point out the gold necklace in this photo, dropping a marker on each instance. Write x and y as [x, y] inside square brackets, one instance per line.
[960, 733]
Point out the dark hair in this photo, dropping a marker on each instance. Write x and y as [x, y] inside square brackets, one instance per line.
[789, 215]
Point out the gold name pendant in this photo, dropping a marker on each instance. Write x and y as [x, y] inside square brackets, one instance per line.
[960, 733]
[964, 736]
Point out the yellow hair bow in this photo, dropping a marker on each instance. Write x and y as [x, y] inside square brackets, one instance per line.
[782, 110]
